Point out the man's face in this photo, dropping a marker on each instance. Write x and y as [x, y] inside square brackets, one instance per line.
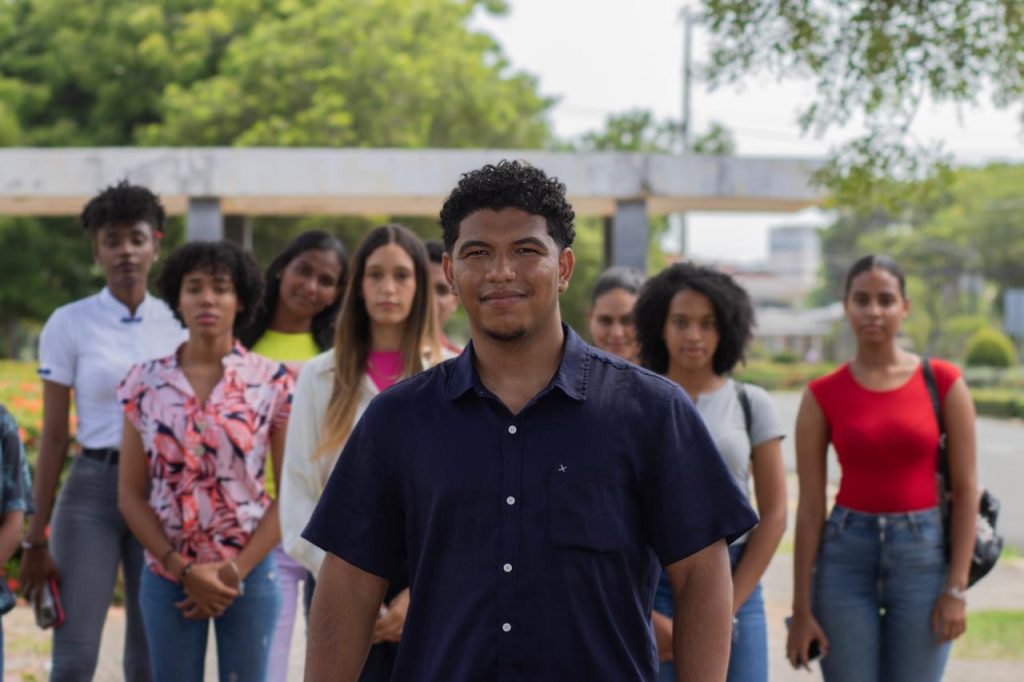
[508, 272]
[444, 298]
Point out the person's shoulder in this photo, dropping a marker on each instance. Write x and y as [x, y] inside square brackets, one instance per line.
[615, 373]
[431, 380]
[73, 312]
[758, 394]
[319, 364]
[944, 369]
[836, 378]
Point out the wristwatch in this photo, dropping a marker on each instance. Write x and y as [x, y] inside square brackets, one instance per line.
[28, 544]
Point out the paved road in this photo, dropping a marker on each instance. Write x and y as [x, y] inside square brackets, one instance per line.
[1000, 463]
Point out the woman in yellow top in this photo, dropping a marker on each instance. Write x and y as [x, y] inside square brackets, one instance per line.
[303, 293]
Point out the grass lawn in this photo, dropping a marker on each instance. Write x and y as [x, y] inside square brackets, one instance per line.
[992, 635]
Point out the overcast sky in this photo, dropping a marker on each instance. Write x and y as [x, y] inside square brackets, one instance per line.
[607, 56]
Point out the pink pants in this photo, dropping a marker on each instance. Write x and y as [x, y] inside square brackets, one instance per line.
[290, 574]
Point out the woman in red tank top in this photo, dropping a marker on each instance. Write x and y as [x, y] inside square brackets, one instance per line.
[872, 583]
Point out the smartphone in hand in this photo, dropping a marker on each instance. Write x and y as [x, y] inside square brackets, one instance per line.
[814, 650]
[47, 606]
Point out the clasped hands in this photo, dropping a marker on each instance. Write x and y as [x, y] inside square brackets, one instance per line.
[209, 590]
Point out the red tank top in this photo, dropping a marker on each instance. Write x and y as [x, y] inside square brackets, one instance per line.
[886, 441]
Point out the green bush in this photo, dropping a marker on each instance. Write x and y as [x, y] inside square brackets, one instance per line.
[786, 357]
[990, 348]
[998, 402]
[782, 377]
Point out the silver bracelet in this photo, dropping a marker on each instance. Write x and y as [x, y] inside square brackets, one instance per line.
[956, 593]
[238, 574]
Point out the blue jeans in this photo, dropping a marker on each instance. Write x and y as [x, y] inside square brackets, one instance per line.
[748, 659]
[876, 580]
[177, 645]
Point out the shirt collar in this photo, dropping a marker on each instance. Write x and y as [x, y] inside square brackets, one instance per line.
[120, 310]
[172, 374]
[571, 377]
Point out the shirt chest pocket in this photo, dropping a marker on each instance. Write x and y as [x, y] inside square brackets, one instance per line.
[587, 507]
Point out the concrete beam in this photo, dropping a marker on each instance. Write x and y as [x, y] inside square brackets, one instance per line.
[280, 181]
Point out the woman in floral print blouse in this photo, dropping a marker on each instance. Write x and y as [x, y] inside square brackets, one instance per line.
[202, 422]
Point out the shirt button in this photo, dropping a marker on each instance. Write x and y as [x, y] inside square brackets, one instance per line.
[507, 568]
[510, 500]
[506, 627]
[512, 429]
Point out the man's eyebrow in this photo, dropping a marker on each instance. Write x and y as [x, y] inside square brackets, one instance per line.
[531, 240]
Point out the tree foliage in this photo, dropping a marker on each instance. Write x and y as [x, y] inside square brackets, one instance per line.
[879, 59]
[951, 242]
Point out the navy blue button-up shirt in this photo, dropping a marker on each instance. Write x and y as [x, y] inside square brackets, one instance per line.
[532, 541]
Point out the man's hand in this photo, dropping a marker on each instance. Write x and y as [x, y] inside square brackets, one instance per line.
[389, 626]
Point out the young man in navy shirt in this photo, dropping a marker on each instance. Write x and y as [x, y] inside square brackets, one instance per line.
[531, 488]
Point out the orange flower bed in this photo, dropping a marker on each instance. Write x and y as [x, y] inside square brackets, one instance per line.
[21, 392]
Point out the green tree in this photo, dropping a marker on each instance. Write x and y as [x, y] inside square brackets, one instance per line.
[380, 73]
[45, 263]
[876, 59]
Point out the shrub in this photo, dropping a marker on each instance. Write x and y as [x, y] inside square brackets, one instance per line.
[786, 357]
[990, 348]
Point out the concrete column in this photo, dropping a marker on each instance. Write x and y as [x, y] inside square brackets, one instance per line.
[204, 219]
[238, 229]
[625, 235]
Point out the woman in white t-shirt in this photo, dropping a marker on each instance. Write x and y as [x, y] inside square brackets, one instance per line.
[86, 348]
[693, 324]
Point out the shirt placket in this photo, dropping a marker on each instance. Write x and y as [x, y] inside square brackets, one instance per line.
[507, 564]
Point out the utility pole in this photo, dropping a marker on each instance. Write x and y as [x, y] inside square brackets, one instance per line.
[687, 18]
[686, 122]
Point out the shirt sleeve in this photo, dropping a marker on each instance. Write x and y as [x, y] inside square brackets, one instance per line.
[691, 499]
[300, 481]
[17, 487]
[283, 406]
[360, 516]
[765, 422]
[57, 352]
[946, 374]
[130, 393]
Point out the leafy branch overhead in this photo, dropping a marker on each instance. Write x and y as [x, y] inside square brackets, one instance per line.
[875, 59]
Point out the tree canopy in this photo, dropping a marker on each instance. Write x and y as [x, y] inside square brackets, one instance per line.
[879, 59]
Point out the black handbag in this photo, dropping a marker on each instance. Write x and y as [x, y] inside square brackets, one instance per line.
[988, 544]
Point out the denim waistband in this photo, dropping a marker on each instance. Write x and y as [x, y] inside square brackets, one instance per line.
[846, 517]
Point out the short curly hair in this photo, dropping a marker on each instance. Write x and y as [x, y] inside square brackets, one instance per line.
[734, 314]
[123, 203]
[214, 257]
[509, 184]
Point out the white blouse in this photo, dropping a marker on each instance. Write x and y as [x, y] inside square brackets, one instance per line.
[90, 344]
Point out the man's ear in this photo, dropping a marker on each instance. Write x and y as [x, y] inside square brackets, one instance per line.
[566, 265]
[446, 267]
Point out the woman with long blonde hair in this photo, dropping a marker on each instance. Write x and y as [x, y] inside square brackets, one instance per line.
[387, 330]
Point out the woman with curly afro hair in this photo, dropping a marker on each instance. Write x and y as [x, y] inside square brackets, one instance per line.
[198, 427]
[693, 325]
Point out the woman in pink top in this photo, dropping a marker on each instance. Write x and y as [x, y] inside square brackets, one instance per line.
[873, 586]
[387, 330]
[199, 425]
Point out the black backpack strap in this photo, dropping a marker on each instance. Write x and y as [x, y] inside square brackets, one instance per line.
[933, 393]
[748, 414]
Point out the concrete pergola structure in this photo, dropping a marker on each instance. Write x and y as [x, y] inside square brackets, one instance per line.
[220, 188]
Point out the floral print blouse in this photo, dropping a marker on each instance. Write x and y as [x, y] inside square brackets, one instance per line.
[207, 462]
